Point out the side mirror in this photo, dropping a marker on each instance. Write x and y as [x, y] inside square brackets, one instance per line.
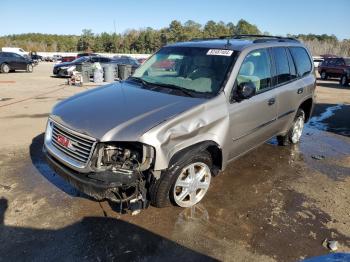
[246, 90]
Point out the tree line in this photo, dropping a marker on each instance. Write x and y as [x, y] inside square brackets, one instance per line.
[149, 40]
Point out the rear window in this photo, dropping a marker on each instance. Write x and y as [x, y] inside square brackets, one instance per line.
[301, 60]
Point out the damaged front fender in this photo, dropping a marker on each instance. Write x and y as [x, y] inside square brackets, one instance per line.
[206, 122]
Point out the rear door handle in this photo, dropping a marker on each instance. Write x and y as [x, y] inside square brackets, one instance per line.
[271, 101]
[300, 90]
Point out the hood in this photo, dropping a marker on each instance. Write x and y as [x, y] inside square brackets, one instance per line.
[120, 112]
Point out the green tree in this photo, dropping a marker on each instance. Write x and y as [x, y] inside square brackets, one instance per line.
[86, 41]
[243, 27]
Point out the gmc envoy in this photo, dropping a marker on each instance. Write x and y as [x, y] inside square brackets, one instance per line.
[160, 136]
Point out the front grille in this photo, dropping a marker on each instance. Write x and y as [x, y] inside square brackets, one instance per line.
[80, 147]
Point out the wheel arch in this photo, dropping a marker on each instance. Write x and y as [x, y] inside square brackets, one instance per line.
[212, 147]
[4, 63]
[307, 107]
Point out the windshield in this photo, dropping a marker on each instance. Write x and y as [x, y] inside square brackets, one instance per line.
[347, 61]
[198, 70]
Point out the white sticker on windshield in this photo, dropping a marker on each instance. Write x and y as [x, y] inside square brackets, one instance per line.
[221, 52]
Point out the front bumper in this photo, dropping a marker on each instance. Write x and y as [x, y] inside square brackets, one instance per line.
[101, 185]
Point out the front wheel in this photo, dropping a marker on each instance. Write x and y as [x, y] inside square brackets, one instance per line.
[294, 134]
[29, 68]
[344, 80]
[185, 184]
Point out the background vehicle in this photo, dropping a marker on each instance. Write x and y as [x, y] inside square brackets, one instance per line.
[57, 58]
[68, 58]
[35, 56]
[15, 50]
[141, 60]
[317, 61]
[86, 54]
[61, 68]
[335, 67]
[162, 135]
[12, 61]
[127, 60]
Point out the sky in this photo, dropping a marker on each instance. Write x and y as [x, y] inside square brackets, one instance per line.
[278, 17]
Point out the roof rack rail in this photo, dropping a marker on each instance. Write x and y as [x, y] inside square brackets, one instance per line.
[266, 38]
[259, 38]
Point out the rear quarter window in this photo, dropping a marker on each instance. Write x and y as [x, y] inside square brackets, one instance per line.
[302, 60]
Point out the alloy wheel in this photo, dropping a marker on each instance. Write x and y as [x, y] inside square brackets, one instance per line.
[192, 184]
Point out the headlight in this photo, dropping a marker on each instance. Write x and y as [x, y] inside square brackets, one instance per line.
[64, 67]
[124, 155]
[48, 132]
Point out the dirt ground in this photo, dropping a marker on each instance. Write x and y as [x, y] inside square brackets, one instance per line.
[273, 204]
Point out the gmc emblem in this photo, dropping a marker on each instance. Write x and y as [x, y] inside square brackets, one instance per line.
[62, 140]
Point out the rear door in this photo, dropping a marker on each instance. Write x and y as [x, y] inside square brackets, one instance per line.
[339, 67]
[284, 79]
[300, 86]
[11, 60]
[253, 121]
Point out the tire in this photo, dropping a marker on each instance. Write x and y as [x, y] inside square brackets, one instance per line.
[29, 68]
[294, 133]
[324, 75]
[165, 190]
[344, 81]
[5, 68]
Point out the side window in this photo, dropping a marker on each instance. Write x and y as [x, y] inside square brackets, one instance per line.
[256, 68]
[302, 60]
[94, 59]
[339, 62]
[282, 65]
[292, 69]
[104, 60]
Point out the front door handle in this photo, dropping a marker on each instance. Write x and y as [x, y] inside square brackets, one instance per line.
[300, 90]
[271, 101]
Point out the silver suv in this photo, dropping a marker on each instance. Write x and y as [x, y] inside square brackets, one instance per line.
[190, 109]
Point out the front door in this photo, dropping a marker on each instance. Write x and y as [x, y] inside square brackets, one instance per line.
[253, 121]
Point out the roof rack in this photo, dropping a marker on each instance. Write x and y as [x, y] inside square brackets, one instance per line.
[266, 38]
[259, 38]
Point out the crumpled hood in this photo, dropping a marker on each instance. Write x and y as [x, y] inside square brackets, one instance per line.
[120, 111]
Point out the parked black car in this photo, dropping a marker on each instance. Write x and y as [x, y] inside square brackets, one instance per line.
[61, 68]
[12, 61]
[127, 60]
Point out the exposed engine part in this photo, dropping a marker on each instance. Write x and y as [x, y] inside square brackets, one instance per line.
[124, 156]
[116, 157]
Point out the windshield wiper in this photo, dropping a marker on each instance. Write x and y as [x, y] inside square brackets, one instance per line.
[140, 80]
[175, 87]
[170, 86]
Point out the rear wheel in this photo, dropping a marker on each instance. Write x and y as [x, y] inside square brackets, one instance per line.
[294, 134]
[344, 80]
[324, 75]
[5, 68]
[184, 185]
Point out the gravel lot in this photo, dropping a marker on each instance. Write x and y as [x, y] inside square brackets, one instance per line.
[274, 204]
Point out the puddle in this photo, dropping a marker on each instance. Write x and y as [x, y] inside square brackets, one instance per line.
[316, 121]
[331, 118]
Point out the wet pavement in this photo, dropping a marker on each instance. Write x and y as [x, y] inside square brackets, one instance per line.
[255, 209]
[273, 204]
